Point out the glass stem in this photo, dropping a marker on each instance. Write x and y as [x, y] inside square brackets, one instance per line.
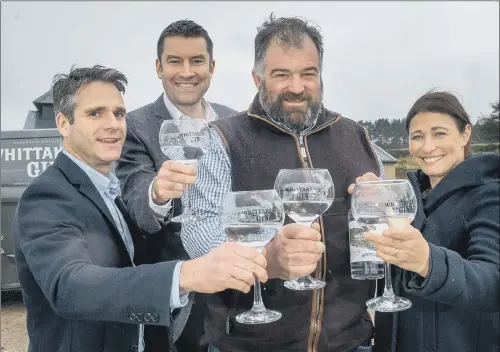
[258, 304]
[188, 190]
[186, 195]
[305, 223]
[388, 292]
[308, 278]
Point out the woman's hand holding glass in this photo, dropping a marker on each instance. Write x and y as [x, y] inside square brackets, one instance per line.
[378, 206]
[402, 245]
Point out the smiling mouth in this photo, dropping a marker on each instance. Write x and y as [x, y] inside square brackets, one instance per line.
[186, 85]
[109, 140]
[294, 101]
[433, 159]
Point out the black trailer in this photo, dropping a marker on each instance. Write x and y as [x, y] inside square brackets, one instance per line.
[25, 155]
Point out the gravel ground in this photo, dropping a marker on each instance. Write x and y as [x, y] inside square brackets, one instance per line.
[14, 335]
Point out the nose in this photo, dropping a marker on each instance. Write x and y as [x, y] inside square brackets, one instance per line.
[428, 146]
[113, 122]
[296, 85]
[186, 72]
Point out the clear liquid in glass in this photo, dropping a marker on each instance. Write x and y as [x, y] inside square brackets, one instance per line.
[175, 152]
[305, 211]
[252, 235]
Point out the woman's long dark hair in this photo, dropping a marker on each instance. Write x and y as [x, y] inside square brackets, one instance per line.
[444, 103]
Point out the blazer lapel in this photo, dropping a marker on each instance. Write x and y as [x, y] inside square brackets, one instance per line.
[160, 109]
[140, 255]
[79, 178]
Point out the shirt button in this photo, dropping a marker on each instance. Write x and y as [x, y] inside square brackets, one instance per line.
[147, 317]
[132, 317]
[154, 317]
[139, 317]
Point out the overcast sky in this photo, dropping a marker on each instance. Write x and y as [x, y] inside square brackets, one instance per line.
[379, 56]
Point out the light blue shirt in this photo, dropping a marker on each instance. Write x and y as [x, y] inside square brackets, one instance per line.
[109, 188]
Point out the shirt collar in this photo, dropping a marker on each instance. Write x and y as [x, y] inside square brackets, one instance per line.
[210, 114]
[109, 184]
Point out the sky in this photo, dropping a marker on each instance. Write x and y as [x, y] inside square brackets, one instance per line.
[379, 56]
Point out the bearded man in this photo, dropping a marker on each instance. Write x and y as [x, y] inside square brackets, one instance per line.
[287, 127]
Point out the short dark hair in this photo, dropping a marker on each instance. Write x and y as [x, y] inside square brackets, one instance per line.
[444, 103]
[289, 31]
[186, 29]
[65, 87]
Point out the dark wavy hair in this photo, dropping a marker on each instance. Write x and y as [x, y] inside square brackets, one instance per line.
[289, 32]
[444, 103]
[186, 29]
[65, 87]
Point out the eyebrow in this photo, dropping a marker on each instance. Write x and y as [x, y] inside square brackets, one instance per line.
[432, 129]
[199, 56]
[312, 68]
[103, 108]
[121, 109]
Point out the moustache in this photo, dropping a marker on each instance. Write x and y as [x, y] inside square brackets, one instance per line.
[294, 97]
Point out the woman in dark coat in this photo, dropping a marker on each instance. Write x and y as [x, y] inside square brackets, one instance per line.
[447, 262]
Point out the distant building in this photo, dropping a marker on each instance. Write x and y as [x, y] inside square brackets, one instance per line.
[387, 160]
[44, 116]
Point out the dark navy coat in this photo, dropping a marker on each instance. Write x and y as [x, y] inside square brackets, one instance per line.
[456, 307]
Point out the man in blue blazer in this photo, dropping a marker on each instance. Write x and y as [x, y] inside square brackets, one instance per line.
[85, 279]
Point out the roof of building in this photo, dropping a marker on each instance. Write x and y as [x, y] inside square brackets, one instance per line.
[44, 99]
[385, 157]
[31, 119]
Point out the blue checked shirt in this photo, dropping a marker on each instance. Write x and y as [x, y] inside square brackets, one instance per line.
[213, 181]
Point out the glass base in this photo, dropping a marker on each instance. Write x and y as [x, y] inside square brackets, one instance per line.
[304, 283]
[186, 216]
[388, 305]
[258, 316]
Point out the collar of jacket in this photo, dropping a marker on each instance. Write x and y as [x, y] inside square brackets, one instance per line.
[476, 170]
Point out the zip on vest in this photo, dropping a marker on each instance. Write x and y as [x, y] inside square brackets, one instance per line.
[306, 162]
[316, 329]
[303, 149]
[317, 306]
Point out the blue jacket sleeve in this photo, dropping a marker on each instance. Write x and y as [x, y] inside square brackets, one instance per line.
[470, 283]
[52, 239]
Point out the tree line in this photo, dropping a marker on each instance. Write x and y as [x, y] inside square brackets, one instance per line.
[391, 134]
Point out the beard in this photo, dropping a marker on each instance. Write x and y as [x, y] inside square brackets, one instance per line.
[294, 119]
